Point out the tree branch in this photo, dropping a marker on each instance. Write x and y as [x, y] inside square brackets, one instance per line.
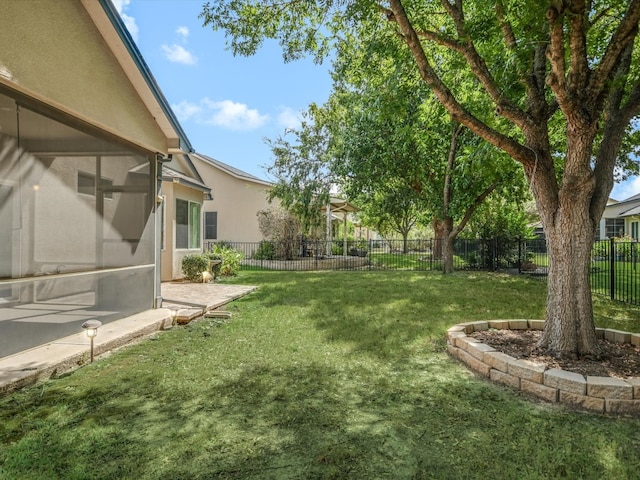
[504, 106]
[579, 64]
[455, 109]
[616, 119]
[470, 211]
[507, 30]
[555, 54]
[451, 158]
[624, 35]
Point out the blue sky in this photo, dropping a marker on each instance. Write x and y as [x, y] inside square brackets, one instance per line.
[227, 105]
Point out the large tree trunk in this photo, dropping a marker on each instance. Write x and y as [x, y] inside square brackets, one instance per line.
[439, 234]
[447, 254]
[445, 237]
[569, 223]
[569, 328]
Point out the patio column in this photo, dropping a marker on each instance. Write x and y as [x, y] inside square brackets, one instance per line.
[328, 252]
[344, 240]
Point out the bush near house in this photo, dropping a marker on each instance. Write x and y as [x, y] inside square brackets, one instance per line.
[230, 257]
[194, 265]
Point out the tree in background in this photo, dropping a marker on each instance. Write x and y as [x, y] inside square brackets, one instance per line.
[396, 149]
[392, 209]
[304, 180]
[558, 65]
[282, 230]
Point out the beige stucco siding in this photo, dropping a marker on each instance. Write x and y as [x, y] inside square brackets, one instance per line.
[74, 70]
[237, 202]
[171, 258]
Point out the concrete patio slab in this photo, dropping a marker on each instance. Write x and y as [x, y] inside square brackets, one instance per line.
[64, 354]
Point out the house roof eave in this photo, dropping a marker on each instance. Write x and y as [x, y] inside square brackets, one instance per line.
[229, 170]
[112, 28]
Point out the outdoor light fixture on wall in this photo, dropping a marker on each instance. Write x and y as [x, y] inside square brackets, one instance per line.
[91, 329]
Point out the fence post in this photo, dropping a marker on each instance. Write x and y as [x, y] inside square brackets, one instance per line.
[431, 256]
[519, 254]
[612, 269]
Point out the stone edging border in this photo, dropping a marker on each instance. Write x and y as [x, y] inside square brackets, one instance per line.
[596, 394]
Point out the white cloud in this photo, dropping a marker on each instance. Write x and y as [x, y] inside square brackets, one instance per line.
[183, 32]
[289, 118]
[226, 114]
[186, 110]
[233, 115]
[129, 22]
[176, 53]
[624, 190]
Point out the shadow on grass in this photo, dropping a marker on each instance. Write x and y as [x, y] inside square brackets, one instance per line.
[316, 377]
[382, 313]
[307, 421]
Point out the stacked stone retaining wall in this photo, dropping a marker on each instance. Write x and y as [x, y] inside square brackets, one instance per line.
[597, 394]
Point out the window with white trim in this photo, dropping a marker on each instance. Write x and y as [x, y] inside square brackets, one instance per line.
[187, 224]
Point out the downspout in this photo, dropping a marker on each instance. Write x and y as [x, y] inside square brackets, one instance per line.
[157, 274]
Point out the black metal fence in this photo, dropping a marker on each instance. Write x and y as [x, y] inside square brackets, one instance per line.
[615, 271]
[494, 254]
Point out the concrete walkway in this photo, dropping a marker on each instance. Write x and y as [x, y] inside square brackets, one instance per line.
[51, 359]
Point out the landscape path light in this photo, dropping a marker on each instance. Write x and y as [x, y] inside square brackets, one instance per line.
[91, 329]
[174, 315]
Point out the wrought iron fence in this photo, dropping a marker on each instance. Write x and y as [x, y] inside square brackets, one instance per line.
[615, 269]
[300, 254]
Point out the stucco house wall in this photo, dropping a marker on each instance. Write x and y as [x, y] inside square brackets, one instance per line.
[83, 132]
[174, 187]
[623, 218]
[237, 198]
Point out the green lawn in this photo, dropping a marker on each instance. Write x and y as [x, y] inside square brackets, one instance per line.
[318, 375]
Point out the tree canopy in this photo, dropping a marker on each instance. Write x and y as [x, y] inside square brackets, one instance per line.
[561, 77]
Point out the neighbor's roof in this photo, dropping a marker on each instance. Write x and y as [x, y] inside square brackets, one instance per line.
[624, 208]
[234, 172]
[341, 205]
[169, 175]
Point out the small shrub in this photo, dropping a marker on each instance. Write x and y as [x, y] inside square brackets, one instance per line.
[230, 257]
[194, 265]
[266, 251]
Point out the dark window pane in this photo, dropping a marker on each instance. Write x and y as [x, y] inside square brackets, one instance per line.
[211, 225]
[182, 224]
[86, 183]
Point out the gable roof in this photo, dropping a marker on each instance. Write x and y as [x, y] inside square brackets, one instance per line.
[624, 208]
[234, 172]
[169, 175]
[115, 33]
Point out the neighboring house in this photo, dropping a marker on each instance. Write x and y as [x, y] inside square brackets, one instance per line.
[231, 214]
[620, 219]
[181, 217]
[84, 131]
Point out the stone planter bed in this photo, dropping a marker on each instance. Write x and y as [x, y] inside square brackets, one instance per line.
[596, 394]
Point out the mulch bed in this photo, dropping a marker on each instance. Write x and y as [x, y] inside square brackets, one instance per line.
[620, 360]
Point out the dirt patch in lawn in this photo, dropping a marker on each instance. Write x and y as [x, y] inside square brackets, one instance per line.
[620, 360]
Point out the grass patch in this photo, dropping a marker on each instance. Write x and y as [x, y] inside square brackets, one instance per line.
[317, 375]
